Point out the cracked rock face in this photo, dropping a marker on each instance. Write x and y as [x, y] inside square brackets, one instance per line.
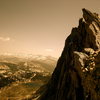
[77, 74]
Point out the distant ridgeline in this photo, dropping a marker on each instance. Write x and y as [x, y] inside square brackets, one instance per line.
[77, 74]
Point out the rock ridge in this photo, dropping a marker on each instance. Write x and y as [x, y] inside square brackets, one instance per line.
[77, 74]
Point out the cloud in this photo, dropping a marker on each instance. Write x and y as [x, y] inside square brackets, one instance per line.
[5, 39]
[49, 50]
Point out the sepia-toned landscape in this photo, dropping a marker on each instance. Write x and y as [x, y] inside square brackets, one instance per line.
[49, 50]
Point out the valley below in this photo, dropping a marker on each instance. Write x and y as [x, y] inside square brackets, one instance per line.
[21, 77]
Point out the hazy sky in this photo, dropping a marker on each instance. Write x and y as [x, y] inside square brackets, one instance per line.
[39, 26]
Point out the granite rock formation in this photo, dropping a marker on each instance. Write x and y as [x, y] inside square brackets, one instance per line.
[77, 74]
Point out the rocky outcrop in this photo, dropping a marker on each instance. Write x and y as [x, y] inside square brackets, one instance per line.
[77, 74]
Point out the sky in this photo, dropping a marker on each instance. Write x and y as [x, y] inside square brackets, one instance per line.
[39, 27]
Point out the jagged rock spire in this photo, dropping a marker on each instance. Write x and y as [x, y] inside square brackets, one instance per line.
[76, 74]
[90, 17]
[92, 27]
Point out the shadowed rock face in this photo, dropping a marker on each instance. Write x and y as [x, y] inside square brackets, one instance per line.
[77, 74]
